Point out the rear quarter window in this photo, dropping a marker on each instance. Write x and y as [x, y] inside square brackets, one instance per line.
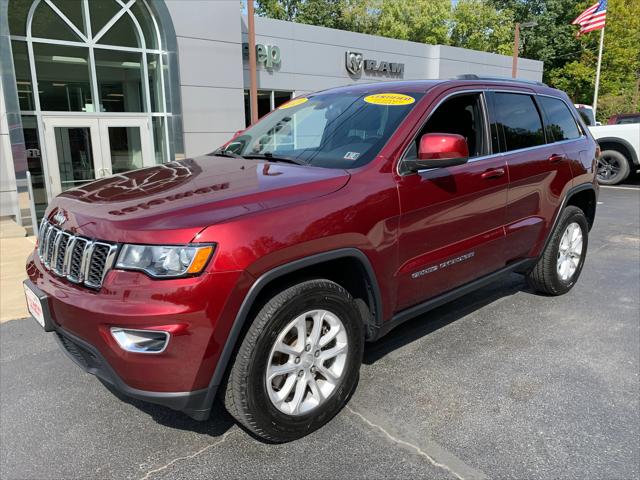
[519, 121]
[560, 123]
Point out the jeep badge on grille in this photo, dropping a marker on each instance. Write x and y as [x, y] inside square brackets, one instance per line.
[59, 218]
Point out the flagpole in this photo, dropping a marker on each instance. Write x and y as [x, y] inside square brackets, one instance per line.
[595, 93]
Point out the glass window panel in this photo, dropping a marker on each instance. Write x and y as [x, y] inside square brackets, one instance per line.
[119, 80]
[75, 157]
[125, 149]
[34, 162]
[264, 102]
[159, 144]
[519, 119]
[155, 81]
[280, 97]
[100, 13]
[72, 9]
[63, 78]
[561, 124]
[176, 139]
[247, 109]
[143, 16]
[23, 75]
[122, 33]
[18, 11]
[47, 24]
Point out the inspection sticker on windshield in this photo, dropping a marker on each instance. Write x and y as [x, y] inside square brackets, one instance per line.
[389, 99]
[351, 155]
[295, 102]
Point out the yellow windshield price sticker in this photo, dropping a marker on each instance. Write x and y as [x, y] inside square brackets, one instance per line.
[389, 99]
[295, 102]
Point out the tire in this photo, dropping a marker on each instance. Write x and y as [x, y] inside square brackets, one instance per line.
[552, 275]
[248, 393]
[613, 167]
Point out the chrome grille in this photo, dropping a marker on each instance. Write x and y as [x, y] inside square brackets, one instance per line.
[78, 259]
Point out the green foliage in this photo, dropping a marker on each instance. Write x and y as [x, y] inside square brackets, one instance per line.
[478, 25]
[620, 70]
[424, 21]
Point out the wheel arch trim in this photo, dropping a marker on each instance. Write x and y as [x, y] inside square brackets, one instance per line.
[273, 274]
[570, 193]
[622, 142]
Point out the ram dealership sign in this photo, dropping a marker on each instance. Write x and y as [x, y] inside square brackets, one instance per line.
[355, 64]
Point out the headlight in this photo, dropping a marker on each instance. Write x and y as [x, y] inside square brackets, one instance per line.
[165, 262]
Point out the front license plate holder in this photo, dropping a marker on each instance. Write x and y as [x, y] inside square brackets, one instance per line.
[38, 306]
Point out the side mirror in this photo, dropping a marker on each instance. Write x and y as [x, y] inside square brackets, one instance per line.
[438, 150]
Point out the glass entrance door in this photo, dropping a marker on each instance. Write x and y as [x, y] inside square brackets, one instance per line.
[79, 150]
[125, 144]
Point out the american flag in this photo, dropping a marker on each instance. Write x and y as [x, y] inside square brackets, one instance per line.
[593, 18]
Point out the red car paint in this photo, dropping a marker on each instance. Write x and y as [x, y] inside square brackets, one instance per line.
[263, 215]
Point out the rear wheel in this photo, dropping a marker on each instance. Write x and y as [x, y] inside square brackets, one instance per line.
[560, 264]
[613, 167]
[298, 362]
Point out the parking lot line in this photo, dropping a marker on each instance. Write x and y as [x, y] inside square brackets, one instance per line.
[616, 187]
[453, 465]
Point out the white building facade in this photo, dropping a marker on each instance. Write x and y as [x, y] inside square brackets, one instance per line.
[90, 88]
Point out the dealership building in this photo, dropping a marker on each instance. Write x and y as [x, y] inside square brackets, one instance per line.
[90, 88]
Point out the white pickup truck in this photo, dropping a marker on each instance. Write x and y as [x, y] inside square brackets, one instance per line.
[620, 145]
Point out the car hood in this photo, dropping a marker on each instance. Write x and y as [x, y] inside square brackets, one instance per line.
[171, 203]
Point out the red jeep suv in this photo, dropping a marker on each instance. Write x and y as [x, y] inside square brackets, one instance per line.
[259, 271]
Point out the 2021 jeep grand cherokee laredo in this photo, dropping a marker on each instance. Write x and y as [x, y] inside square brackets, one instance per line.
[260, 270]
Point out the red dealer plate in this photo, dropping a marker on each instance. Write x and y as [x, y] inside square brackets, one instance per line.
[34, 305]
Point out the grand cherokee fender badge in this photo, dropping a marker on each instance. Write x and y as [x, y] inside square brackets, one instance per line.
[441, 265]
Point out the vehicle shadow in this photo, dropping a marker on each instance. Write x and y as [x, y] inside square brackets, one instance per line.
[442, 316]
[219, 421]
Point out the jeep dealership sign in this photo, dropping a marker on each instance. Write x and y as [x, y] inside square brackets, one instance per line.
[355, 63]
[266, 55]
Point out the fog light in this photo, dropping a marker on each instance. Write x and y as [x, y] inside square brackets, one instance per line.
[141, 341]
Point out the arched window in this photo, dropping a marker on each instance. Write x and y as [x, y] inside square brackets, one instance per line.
[92, 56]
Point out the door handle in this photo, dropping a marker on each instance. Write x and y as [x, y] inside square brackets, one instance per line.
[493, 173]
[555, 158]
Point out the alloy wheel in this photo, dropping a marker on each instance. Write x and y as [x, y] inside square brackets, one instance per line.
[307, 362]
[608, 167]
[569, 251]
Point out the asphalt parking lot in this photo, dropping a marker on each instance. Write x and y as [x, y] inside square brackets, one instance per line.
[501, 384]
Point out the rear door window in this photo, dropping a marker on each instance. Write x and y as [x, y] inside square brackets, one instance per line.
[518, 120]
[560, 123]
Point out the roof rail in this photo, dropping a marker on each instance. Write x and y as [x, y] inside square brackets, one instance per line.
[473, 76]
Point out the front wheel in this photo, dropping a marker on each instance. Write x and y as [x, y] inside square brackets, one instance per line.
[298, 362]
[561, 262]
[613, 167]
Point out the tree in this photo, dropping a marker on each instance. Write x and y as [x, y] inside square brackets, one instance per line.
[478, 25]
[620, 62]
[279, 9]
[425, 21]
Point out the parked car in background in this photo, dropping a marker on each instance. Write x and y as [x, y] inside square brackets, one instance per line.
[620, 151]
[586, 112]
[257, 272]
[624, 118]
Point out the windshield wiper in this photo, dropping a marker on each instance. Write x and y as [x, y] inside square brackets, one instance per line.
[269, 156]
[223, 152]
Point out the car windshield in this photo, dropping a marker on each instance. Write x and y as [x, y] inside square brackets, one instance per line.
[332, 130]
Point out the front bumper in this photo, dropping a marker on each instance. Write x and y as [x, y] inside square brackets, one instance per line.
[197, 311]
[87, 357]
